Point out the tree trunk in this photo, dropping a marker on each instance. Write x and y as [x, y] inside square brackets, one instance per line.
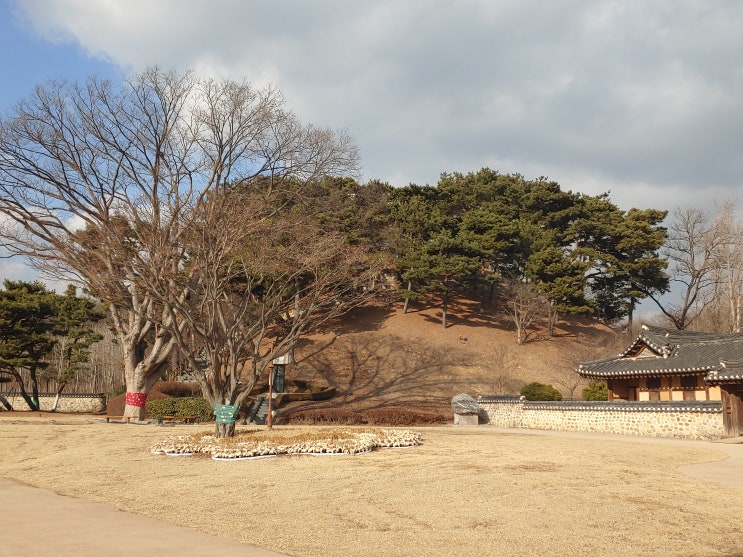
[139, 381]
[135, 406]
[56, 398]
[142, 369]
[25, 395]
[4, 402]
[407, 299]
[34, 386]
[551, 320]
[224, 430]
[443, 312]
[519, 333]
[630, 315]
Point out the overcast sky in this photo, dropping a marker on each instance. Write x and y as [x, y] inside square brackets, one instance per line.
[642, 99]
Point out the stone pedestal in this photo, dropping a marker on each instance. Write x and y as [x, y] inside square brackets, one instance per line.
[466, 419]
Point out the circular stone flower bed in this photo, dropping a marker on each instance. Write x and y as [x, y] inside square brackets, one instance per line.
[262, 443]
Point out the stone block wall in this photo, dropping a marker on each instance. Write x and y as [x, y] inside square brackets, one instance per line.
[72, 403]
[502, 411]
[673, 419]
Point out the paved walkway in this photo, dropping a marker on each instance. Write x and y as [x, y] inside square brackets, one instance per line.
[728, 471]
[41, 523]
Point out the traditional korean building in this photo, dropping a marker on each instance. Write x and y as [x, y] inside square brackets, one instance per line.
[667, 364]
[728, 376]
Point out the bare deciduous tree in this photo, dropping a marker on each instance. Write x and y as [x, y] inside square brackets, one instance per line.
[97, 183]
[257, 279]
[727, 305]
[588, 347]
[503, 365]
[691, 249]
[524, 304]
[706, 256]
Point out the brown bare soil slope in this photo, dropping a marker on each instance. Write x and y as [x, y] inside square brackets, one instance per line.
[378, 357]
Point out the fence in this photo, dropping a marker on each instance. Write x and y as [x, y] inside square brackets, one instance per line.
[675, 419]
[88, 403]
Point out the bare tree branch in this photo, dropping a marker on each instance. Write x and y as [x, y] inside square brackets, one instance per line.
[98, 185]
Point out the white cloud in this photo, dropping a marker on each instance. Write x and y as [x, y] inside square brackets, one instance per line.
[15, 270]
[638, 98]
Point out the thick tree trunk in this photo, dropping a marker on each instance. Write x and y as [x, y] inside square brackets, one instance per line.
[142, 368]
[135, 406]
[24, 394]
[224, 430]
[139, 381]
[630, 320]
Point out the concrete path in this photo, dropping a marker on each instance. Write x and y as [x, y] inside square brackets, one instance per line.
[41, 523]
[728, 471]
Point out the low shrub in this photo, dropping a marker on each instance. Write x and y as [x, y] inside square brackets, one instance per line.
[160, 407]
[540, 391]
[319, 416]
[180, 408]
[596, 390]
[394, 416]
[403, 416]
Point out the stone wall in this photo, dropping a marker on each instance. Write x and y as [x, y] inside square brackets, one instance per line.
[674, 419]
[73, 403]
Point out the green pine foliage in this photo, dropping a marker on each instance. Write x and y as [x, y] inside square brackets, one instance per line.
[596, 390]
[581, 253]
[32, 321]
[540, 391]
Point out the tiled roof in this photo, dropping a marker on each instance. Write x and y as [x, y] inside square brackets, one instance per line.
[726, 372]
[668, 352]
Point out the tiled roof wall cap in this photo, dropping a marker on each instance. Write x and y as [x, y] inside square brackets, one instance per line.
[505, 399]
[62, 395]
[709, 406]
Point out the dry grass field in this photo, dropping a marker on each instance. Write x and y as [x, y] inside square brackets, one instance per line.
[464, 491]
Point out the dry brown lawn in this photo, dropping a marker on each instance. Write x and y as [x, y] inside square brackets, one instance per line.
[463, 491]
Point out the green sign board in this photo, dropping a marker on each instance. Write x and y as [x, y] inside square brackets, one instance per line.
[226, 413]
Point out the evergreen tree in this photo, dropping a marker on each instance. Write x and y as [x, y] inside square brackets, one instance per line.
[27, 324]
[32, 319]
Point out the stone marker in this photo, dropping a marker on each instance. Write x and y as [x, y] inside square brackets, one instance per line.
[466, 410]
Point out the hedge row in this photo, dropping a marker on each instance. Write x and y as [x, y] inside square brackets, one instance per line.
[180, 408]
[379, 417]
